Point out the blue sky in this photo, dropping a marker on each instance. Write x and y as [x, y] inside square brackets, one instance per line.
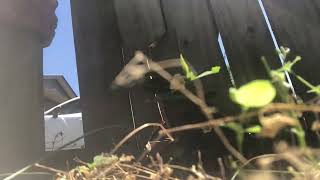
[59, 57]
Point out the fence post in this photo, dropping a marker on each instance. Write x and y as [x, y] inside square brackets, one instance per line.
[22, 38]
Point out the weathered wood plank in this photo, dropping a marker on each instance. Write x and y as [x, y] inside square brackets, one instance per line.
[140, 22]
[99, 59]
[297, 26]
[144, 107]
[191, 31]
[246, 38]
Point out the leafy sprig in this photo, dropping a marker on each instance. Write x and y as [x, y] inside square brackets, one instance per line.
[190, 75]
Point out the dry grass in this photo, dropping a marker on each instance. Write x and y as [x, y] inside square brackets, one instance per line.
[113, 167]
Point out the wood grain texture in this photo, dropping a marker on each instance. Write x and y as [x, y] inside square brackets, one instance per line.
[99, 60]
[297, 26]
[246, 38]
[191, 31]
[140, 22]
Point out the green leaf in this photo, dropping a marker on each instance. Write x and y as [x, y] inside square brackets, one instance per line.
[206, 73]
[315, 90]
[254, 129]
[255, 94]
[184, 65]
[191, 76]
[215, 69]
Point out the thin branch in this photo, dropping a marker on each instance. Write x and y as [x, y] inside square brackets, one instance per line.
[222, 169]
[135, 131]
[50, 169]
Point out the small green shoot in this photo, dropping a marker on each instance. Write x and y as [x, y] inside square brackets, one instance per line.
[283, 52]
[299, 132]
[239, 132]
[287, 67]
[190, 75]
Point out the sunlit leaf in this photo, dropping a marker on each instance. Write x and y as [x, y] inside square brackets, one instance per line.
[255, 94]
[191, 76]
[184, 65]
[206, 73]
[254, 129]
[215, 69]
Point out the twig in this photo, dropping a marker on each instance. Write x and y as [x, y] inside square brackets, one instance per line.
[135, 131]
[210, 123]
[76, 159]
[191, 171]
[138, 169]
[296, 107]
[222, 169]
[222, 121]
[50, 169]
[249, 161]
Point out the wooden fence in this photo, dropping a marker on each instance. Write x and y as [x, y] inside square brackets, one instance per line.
[108, 32]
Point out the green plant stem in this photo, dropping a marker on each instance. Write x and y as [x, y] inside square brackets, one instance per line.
[299, 132]
[266, 65]
[303, 81]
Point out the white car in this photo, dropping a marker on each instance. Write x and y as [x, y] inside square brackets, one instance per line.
[63, 124]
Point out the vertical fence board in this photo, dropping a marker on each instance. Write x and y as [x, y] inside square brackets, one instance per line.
[297, 26]
[99, 60]
[191, 31]
[246, 38]
[140, 23]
